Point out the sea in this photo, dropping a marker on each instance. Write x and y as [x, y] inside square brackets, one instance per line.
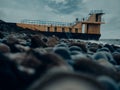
[106, 41]
[103, 41]
[111, 41]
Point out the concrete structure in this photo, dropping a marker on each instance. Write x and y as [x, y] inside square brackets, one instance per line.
[84, 29]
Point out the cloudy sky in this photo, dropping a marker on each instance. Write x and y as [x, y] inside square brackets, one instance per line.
[63, 10]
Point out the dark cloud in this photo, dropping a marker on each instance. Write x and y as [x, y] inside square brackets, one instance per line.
[65, 6]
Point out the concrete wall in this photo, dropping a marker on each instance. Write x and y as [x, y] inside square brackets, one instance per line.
[92, 29]
[52, 28]
[91, 26]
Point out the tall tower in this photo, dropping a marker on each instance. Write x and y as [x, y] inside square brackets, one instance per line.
[93, 23]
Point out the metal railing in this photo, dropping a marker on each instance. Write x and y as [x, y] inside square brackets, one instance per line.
[40, 22]
[96, 12]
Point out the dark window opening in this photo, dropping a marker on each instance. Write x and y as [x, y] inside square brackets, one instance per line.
[48, 29]
[76, 30]
[97, 18]
[70, 29]
[55, 29]
[87, 28]
[63, 29]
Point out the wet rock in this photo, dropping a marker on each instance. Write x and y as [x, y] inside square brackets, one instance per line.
[1, 35]
[116, 56]
[63, 52]
[107, 64]
[109, 47]
[12, 40]
[40, 50]
[44, 39]
[110, 58]
[49, 49]
[22, 48]
[11, 77]
[78, 56]
[103, 49]
[62, 45]
[82, 45]
[93, 68]
[108, 83]
[65, 81]
[52, 41]
[93, 47]
[75, 48]
[36, 41]
[4, 48]
[100, 55]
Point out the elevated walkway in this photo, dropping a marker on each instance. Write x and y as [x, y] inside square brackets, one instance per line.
[53, 23]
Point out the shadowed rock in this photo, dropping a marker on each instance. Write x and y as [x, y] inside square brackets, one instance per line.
[109, 47]
[116, 56]
[63, 52]
[66, 81]
[4, 48]
[93, 47]
[52, 41]
[62, 45]
[12, 39]
[93, 68]
[108, 83]
[82, 45]
[103, 49]
[1, 35]
[11, 77]
[75, 48]
[100, 55]
[36, 41]
[106, 64]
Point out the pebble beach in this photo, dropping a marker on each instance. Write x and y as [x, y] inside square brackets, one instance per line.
[32, 61]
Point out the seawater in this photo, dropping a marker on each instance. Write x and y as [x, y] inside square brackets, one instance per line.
[111, 41]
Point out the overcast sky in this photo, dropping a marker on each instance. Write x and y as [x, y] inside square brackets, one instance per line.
[63, 10]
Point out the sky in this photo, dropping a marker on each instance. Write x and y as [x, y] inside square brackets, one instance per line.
[64, 11]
